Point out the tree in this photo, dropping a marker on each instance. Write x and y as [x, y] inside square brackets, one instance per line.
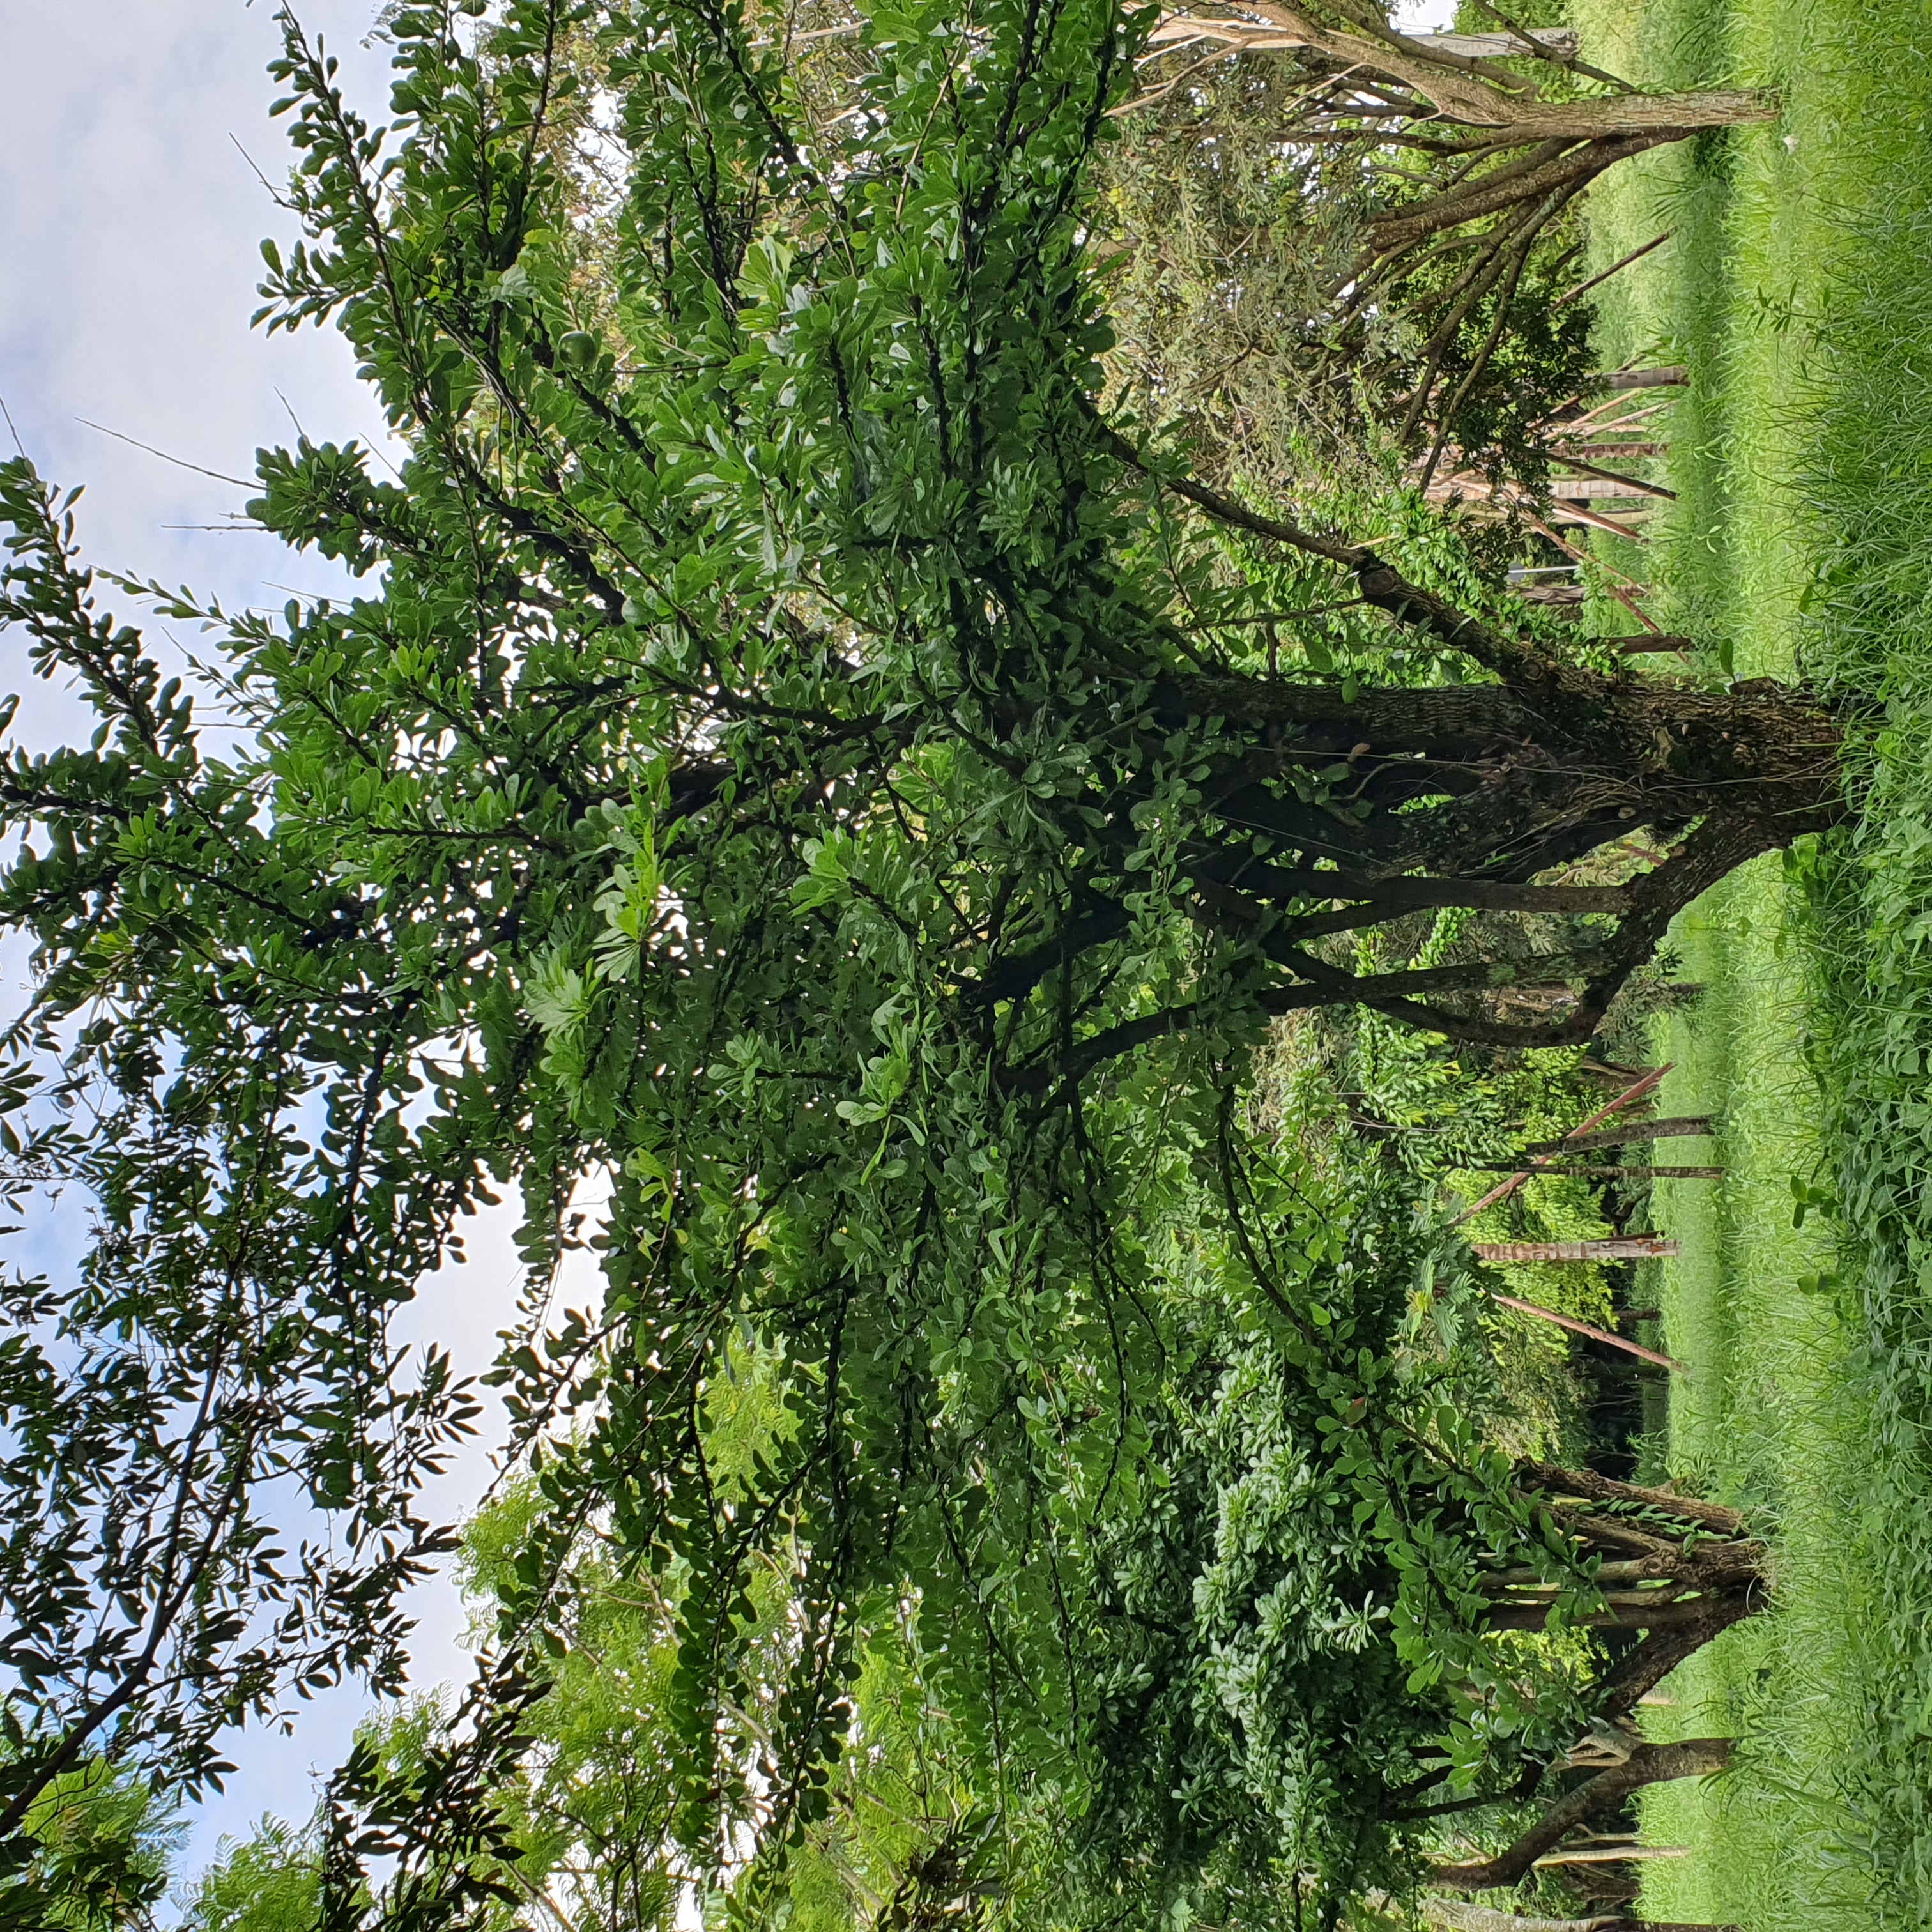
[584, 1802]
[1340, 1618]
[1324, 1613]
[1375, 225]
[799, 759]
[269, 1882]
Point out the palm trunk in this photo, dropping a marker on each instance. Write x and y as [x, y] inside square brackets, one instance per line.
[1626, 1248]
[1457, 1915]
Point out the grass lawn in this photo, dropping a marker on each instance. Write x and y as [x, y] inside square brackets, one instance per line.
[1798, 289]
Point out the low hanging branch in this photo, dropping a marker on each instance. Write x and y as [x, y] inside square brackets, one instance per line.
[1647, 1764]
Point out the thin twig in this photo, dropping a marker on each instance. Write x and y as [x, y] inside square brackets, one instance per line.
[1635, 255]
[1504, 1189]
[180, 463]
[1595, 1334]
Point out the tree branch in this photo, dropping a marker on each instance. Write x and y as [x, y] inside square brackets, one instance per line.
[1648, 1764]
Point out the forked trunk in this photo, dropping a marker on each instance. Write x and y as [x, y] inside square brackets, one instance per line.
[1681, 1587]
[1679, 1581]
[1565, 145]
[1483, 787]
[1329, 809]
[1647, 1764]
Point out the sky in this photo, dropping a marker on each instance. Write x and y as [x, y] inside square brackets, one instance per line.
[130, 219]
[131, 211]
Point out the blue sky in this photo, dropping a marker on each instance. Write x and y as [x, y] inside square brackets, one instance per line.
[130, 221]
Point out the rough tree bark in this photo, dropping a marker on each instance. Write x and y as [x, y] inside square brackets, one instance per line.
[1591, 1486]
[1619, 1248]
[1680, 1588]
[1462, 77]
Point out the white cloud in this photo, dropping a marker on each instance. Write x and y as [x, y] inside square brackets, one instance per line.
[129, 221]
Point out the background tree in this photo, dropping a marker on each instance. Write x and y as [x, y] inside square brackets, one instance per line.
[799, 760]
[1326, 1621]
[96, 1844]
[1374, 227]
[269, 1882]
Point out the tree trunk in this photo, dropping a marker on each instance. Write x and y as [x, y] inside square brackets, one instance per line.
[1595, 1334]
[1586, 1171]
[1592, 1487]
[1565, 145]
[1673, 116]
[1681, 1587]
[1625, 1248]
[1599, 757]
[1329, 807]
[1502, 158]
[1472, 92]
[1497, 783]
[1550, 172]
[1648, 1764]
[1621, 1852]
[1669, 1127]
[1565, 43]
[1620, 382]
[1457, 1915]
[1642, 1670]
[1596, 489]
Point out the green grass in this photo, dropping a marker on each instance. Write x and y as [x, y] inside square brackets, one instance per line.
[1798, 289]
